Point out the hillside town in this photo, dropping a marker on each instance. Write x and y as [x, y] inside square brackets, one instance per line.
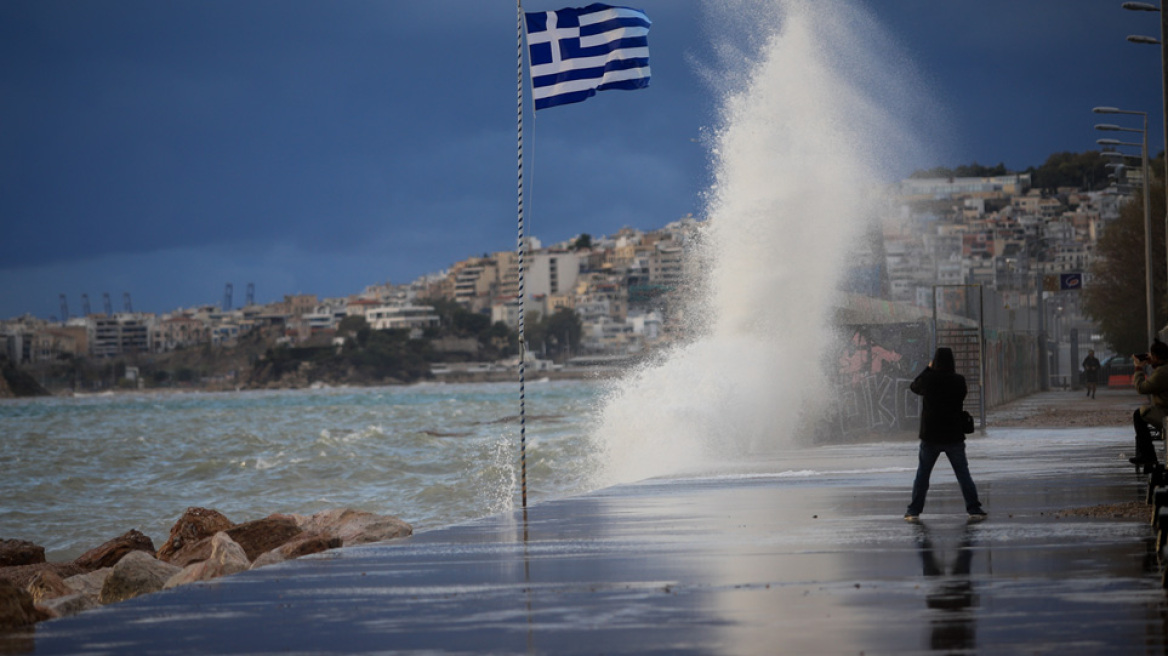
[625, 288]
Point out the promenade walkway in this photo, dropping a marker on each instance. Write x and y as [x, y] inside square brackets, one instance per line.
[805, 552]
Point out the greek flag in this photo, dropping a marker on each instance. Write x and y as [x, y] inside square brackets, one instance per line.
[576, 52]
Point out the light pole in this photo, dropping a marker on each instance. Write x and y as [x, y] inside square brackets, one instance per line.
[1143, 146]
[1040, 256]
[1136, 38]
[1117, 169]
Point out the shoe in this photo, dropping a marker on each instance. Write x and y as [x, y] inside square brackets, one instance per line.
[911, 518]
[977, 516]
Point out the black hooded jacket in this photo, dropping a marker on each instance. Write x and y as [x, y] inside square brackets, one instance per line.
[944, 396]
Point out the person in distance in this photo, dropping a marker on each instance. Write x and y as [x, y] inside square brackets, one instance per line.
[1091, 372]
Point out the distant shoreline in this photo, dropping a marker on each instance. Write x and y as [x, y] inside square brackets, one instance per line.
[452, 377]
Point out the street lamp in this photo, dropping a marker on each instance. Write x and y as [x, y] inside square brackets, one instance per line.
[1136, 38]
[1039, 255]
[1143, 146]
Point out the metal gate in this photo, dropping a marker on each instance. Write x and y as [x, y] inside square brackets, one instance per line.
[967, 345]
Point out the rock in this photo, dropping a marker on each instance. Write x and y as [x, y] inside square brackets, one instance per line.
[137, 573]
[227, 557]
[306, 543]
[89, 584]
[270, 558]
[357, 526]
[20, 552]
[21, 575]
[46, 584]
[195, 525]
[191, 552]
[108, 554]
[263, 535]
[71, 604]
[17, 609]
[18, 382]
[310, 543]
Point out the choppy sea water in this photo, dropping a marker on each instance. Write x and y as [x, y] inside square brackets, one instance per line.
[75, 472]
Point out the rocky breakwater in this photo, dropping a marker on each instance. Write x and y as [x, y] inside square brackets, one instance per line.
[203, 544]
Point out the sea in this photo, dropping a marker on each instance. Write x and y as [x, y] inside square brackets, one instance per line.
[78, 471]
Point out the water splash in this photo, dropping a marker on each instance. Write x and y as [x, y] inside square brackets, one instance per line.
[806, 130]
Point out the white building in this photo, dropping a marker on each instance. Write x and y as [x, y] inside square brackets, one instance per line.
[389, 317]
[551, 272]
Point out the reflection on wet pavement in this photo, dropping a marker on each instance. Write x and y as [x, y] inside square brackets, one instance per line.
[954, 626]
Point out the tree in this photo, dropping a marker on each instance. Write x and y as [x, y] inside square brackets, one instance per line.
[1079, 170]
[552, 331]
[1085, 170]
[355, 328]
[582, 242]
[974, 170]
[458, 319]
[1115, 297]
[565, 325]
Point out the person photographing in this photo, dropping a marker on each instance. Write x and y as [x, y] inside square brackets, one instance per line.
[1155, 385]
[942, 431]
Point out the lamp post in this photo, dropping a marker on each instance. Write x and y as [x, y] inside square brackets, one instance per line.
[1118, 167]
[1136, 38]
[1143, 146]
[1040, 284]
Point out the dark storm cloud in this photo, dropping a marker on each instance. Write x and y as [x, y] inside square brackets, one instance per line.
[166, 147]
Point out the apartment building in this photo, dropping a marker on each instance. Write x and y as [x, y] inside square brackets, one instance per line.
[296, 305]
[121, 334]
[552, 272]
[941, 188]
[392, 317]
[476, 282]
[179, 331]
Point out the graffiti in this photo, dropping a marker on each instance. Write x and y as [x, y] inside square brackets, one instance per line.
[875, 364]
[874, 369]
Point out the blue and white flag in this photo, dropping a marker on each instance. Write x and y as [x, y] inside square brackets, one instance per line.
[576, 52]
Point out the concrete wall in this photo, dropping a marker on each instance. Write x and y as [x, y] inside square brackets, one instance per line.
[1011, 366]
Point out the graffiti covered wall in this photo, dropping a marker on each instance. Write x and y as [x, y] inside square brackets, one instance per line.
[873, 367]
[876, 363]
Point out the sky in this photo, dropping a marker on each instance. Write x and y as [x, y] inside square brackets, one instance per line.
[165, 148]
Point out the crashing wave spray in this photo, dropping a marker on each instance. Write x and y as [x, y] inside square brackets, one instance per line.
[804, 138]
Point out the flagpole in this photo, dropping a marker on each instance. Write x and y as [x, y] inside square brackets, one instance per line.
[521, 249]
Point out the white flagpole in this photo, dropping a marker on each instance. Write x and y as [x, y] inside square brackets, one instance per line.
[521, 248]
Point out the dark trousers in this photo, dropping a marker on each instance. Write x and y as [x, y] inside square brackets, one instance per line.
[1145, 451]
[929, 452]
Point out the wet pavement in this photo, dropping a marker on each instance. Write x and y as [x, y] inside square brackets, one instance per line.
[806, 553]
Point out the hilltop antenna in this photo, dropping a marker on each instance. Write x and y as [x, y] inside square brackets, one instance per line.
[126, 303]
[85, 305]
[250, 294]
[227, 292]
[64, 309]
[109, 306]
